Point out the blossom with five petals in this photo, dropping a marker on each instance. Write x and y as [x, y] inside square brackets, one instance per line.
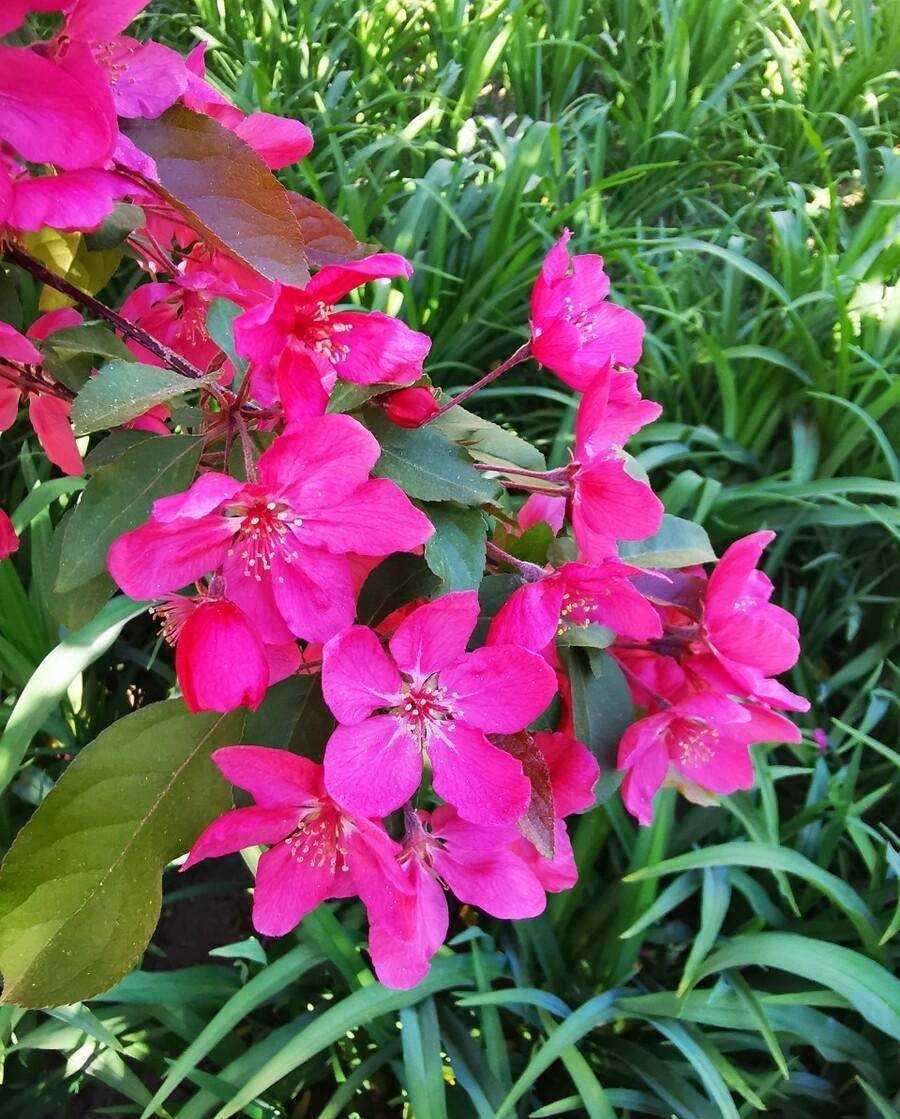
[281, 543]
[316, 849]
[430, 695]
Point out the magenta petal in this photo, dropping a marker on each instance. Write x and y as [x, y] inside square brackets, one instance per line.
[643, 779]
[484, 784]
[314, 593]
[379, 349]
[150, 77]
[334, 281]
[278, 141]
[573, 772]
[376, 520]
[98, 20]
[274, 778]
[500, 882]
[9, 404]
[373, 767]
[71, 200]
[157, 558]
[589, 439]
[17, 347]
[357, 675]
[499, 689]
[542, 507]
[530, 616]
[241, 828]
[324, 465]
[220, 660]
[256, 597]
[50, 419]
[435, 634]
[9, 541]
[286, 890]
[402, 963]
[206, 494]
[58, 122]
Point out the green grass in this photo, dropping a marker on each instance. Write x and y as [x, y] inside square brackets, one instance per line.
[735, 164]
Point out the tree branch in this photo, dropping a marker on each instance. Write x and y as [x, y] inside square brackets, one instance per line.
[129, 329]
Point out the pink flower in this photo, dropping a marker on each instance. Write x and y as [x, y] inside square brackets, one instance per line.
[430, 695]
[699, 745]
[220, 660]
[821, 739]
[282, 543]
[575, 595]
[67, 119]
[70, 200]
[409, 407]
[316, 849]
[747, 637]
[299, 342]
[9, 541]
[478, 864]
[49, 415]
[13, 12]
[574, 328]
[608, 504]
[278, 141]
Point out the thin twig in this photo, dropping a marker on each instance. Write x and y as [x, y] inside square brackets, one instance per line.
[131, 330]
[521, 354]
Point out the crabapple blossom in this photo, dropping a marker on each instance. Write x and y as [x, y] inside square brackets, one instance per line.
[316, 850]
[430, 695]
[281, 542]
[9, 541]
[575, 329]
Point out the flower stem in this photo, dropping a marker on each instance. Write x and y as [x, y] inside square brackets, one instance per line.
[129, 329]
[530, 572]
[521, 354]
[246, 447]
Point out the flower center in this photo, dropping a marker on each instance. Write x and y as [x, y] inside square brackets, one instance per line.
[265, 529]
[425, 705]
[579, 317]
[692, 741]
[313, 327]
[319, 841]
[577, 611]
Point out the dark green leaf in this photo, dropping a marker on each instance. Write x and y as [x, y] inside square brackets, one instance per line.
[679, 543]
[601, 703]
[220, 327]
[118, 498]
[395, 581]
[426, 465]
[488, 442]
[80, 889]
[122, 390]
[113, 230]
[456, 551]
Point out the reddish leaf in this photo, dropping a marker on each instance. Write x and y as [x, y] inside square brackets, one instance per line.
[327, 239]
[224, 191]
[537, 825]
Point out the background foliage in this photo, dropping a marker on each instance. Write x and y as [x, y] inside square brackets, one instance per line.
[735, 163]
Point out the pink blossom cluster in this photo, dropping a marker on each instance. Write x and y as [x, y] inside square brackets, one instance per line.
[434, 781]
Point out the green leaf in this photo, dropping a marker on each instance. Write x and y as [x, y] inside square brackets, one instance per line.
[601, 703]
[125, 219]
[224, 191]
[488, 442]
[772, 856]
[426, 465]
[347, 396]
[270, 982]
[399, 579]
[52, 677]
[866, 985]
[220, 327]
[456, 551]
[123, 390]
[679, 543]
[422, 1064]
[591, 636]
[118, 498]
[80, 890]
[352, 1013]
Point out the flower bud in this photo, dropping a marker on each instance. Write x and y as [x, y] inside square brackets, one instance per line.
[410, 407]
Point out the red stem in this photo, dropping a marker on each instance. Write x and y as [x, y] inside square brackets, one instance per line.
[521, 354]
